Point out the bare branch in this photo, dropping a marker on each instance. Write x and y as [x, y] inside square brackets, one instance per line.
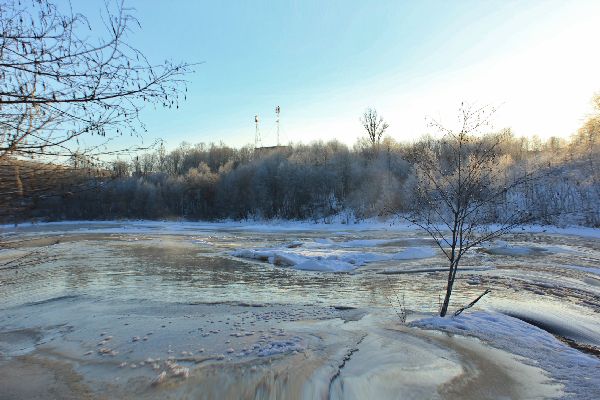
[471, 304]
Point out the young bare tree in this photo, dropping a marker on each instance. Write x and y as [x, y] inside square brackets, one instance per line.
[58, 83]
[374, 125]
[461, 189]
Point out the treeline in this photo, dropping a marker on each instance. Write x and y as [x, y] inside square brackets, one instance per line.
[318, 181]
[27, 186]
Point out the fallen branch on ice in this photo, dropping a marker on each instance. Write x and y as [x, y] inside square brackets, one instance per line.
[471, 304]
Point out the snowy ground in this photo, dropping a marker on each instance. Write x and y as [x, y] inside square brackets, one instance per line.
[578, 372]
[293, 310]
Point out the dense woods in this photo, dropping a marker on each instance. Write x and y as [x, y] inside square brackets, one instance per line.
[315, 181]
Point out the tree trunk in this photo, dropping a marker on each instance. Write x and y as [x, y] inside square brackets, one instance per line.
[446, 303]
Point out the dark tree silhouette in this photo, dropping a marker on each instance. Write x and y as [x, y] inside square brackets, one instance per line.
[374, 125]
[62, 79]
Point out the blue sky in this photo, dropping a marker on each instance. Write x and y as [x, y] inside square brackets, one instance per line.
[325, 62]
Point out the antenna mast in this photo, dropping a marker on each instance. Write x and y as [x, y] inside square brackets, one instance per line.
[257, 140]
[277, 111]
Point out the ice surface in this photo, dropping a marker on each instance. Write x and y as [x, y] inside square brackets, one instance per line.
[591, 270]
[275, 347]
[579, 372]
[189, 227]
[167, 287]
[330, 261]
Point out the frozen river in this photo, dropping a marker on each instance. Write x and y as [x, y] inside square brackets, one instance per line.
[184, 310]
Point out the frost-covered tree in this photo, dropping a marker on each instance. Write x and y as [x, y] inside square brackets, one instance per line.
[459, 189]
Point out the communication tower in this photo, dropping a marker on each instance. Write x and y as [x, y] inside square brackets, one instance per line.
[277, 112]
[257, 139]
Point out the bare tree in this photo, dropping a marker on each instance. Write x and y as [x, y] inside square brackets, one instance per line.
[374, 125]
[58, 84]
[461, 189]
[25, 183]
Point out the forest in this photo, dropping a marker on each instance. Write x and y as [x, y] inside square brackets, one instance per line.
[317, 181]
